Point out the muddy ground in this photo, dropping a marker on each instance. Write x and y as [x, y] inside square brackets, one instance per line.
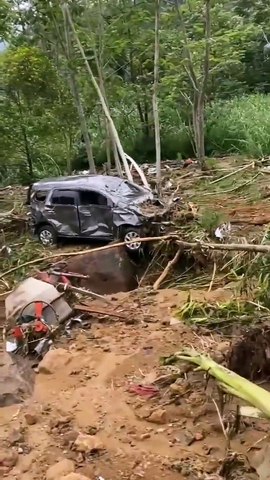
[89, 389]
[175, 435]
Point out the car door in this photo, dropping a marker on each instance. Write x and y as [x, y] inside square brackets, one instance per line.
[61, 211]
[95, 214]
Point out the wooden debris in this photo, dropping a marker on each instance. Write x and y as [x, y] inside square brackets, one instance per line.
[167, 270]
[99, 311]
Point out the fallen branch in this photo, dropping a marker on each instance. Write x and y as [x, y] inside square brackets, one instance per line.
[233, 173]
[230, 190]
[83, 291]
[198, 246]
[213, 277]
[7, 214]
[229, 247]
[166, 271]
[84, 252]
[89, 309]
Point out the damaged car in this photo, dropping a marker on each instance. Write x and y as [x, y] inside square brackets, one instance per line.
[97, 207]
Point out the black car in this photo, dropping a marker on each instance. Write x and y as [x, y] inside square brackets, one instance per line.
[99, 207]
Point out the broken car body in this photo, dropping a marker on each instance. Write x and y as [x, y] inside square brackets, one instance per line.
[94, 206]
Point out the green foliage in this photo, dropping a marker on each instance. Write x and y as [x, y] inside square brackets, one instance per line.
[210, 220]
[28, 71]
[39, 124]
[239, 125]
[218, 315]
[5, 19]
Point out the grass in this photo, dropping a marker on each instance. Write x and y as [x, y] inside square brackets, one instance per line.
[210, 220]
[240, 125]
[217, 315]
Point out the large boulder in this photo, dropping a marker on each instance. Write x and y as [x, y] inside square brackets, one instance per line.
[60, 469]
[16, 379]
[109, 271]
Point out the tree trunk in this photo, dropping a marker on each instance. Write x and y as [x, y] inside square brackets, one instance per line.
[117, 160]
[77, 99]
[198, 129]
[108, 149]
[101, 98]
[26, 145]
[27, 151]
[83, 123]
[199, 85]
[105, 107]
[68, 140]
[109, 135]
[155, 93]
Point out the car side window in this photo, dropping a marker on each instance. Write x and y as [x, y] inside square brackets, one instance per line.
[63, 197]
[88, 197]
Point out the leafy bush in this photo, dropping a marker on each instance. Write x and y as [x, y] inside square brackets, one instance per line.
[142, 149]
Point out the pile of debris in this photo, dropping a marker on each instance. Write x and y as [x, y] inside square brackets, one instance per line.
[41, 307]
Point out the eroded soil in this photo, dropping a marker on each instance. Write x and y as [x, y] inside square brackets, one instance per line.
[181, 439]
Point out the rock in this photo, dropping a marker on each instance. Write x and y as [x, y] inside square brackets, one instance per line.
[31, 418]
[174, 321]
[60, 469]
[8, 458]
[87, 443]
[109, 271]
[159, 416]
[17, 379]
[54, 360]
[74, 476]
[56, 422]
[189, 438]
[145, 436]
[143, 412]
[70, 437]
[223, 347]
[198, 436]
[15, 436]
[26, 464]
[212, 465]
[179, 388]
[260, 461]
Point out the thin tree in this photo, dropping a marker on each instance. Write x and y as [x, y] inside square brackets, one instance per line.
[198, 83]
[76, 96]
[155, 91]
[101, 98]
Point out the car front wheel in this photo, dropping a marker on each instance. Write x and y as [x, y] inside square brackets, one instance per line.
[47, 235]
[131, 237]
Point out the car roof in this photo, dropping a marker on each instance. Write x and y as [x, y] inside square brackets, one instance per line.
[104, 182]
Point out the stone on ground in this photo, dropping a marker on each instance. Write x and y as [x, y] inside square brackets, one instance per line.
[54, 360]
[60, 469]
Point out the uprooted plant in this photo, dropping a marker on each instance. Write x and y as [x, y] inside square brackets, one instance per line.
[229, 381]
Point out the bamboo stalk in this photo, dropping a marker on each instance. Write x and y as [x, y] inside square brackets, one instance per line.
[233, 173]
[166, 271]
